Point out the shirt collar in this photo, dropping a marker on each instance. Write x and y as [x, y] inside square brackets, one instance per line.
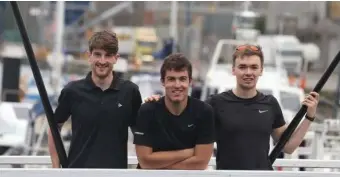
[114, 84]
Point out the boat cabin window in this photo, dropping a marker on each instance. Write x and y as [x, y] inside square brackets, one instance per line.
[290, 101]
[227, 50]
[290, 53]
[245, 22]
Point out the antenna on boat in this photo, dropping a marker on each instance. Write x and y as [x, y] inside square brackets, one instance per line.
[41, 87]
[296, 120]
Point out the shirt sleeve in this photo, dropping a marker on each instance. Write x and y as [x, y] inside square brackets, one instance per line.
[279, 120]
[206, 126]
[142, 134]
[63, 109]
[136, 104]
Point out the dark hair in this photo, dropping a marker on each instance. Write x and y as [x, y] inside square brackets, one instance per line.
[177, 62]
[248, 51]
[104, 40]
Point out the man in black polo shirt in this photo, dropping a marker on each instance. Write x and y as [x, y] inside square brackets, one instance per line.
[101, 106]
[245, 118]
[175, 132]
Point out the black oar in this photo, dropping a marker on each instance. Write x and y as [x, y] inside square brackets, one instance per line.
[295, 122]
[41, 87]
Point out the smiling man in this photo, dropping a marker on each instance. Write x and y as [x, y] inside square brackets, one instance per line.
[101, 106]
[177, 131]
[246, 118]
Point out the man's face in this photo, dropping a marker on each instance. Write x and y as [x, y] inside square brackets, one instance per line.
[176, 84]
[247, 71]
[102, 62]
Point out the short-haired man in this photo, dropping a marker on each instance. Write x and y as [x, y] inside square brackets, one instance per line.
[177, 131]
[102, 106]
[246, 118]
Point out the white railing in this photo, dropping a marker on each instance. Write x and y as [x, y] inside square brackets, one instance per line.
[132, 160]
[155, 173]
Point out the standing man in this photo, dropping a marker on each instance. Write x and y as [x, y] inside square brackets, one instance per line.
[245, 118]
[177, 131]
[101, 106]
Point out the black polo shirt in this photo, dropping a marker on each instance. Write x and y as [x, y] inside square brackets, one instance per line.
[159, 129]
[243, 130]
[100, 121]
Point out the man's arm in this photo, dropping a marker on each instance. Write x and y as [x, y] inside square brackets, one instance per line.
[311, 102]
[295, 139]
[52, 149]
[158, 160]
[204, 145]
[199, 161]
[62, 113]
